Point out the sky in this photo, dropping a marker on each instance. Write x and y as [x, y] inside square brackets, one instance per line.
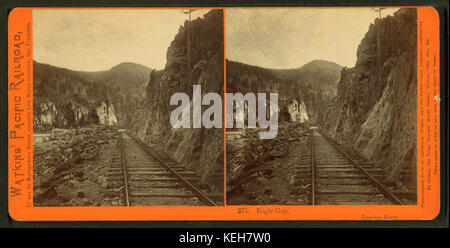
[98, 39]
[289, 38]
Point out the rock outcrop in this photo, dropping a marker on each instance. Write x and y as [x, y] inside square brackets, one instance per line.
[297, 112]
[64, 98]
[314, 85]
[375, 107]
[195, 56]
[106, 114]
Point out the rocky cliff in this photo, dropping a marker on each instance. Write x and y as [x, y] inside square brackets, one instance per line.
[303, 93]
[195, 56]
[64, 98]
[375, 107]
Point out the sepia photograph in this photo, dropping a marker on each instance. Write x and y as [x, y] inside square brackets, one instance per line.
[102, 101]
[346, 87]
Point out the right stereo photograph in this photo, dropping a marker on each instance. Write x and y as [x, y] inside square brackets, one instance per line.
[321, 106]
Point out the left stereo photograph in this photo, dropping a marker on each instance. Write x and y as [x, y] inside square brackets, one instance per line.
[103, 87]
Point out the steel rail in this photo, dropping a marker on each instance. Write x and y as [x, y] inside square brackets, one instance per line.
[124, 170]
[313, 176]
[191, 187]
[375, 182]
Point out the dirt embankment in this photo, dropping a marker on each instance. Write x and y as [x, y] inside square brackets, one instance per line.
[262, 171]
[70, 166]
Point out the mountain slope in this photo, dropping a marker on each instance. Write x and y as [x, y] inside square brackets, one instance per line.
[375, 106]
[199, 149]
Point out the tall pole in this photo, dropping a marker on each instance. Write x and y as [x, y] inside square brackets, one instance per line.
[188, 39]
[378, 38]
[378, 10]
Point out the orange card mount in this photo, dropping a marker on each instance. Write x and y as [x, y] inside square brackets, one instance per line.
[90, 135]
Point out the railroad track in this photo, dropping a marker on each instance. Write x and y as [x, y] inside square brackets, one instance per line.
[339, 178]
[145, 178]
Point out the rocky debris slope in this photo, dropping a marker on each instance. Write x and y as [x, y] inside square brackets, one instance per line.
[313, 86]
[64, 98]
[70, 166]
[199, 149]
[262, 171]
[375, 107]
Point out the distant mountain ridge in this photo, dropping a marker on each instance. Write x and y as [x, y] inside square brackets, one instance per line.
[68, 98]
[314, 83]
